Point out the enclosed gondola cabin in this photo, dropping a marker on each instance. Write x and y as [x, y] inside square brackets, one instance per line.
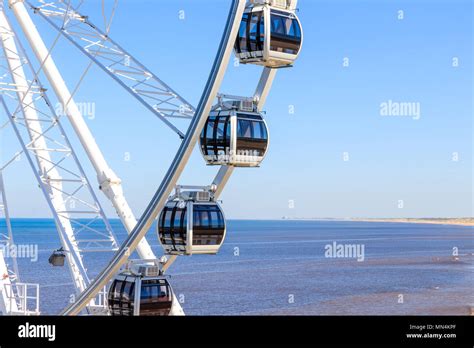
[234, 138]
[269, 35]
[133, 294]
[193, 224]
[57, 258]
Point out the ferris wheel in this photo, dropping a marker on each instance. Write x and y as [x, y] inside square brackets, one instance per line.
[231, 132]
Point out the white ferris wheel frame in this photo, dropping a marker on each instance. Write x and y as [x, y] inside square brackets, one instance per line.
[155, 95]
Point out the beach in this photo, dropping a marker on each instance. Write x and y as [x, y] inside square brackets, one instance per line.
[436, 221]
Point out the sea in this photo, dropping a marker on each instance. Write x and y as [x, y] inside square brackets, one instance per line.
[286, 267]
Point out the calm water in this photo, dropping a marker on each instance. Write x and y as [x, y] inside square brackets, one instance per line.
[279, 267]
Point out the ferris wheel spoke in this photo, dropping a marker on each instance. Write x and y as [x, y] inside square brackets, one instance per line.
[123, 68]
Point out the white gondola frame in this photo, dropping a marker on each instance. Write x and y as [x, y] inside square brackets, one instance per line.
[137, 280]
[189, 247]
[267, 57]
[201, 249]
[238, 160]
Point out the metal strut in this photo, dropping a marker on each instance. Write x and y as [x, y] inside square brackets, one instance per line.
[55, 164]
[16, 298]
[109, 183]
[6, 239]
[125, 69]
[8, 276]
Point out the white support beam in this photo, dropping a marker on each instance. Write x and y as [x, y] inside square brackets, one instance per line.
[109, 182]
[115, 61]
[45, 163]
[264, 86]
[7, 303]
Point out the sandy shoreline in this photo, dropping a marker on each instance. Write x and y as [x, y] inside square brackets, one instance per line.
[434, 221]
[458, 222]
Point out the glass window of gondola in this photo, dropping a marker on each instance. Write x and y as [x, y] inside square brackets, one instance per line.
[251, 36]
[252, 136]
[285, 33]
[155, 297]
[114, 297]
[121, 297]
[215, 137]
[208, 224]
[173, 226]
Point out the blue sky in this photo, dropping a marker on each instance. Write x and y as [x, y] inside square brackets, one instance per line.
[337, 109]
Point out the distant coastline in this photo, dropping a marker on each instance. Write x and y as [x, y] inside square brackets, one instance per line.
[436, 221]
